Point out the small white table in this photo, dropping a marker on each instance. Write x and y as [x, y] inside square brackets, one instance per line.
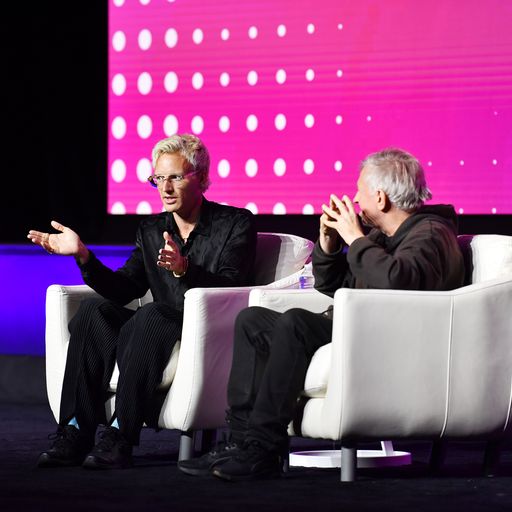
[385, 457]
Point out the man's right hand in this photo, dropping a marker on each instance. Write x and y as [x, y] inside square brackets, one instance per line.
[66, 243]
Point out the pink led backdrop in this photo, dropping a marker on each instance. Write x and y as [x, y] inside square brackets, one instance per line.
[289, 96]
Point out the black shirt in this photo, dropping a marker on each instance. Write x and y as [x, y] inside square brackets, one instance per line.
[220, 251]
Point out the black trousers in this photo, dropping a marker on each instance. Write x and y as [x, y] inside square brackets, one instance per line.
[141, 341]
[271, 354]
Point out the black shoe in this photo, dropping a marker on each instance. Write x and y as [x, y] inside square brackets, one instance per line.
[203, 465]
[252, 461]
[112, 452]
[69, 448]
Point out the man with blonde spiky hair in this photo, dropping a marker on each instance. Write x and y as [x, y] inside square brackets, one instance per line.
[193, 243]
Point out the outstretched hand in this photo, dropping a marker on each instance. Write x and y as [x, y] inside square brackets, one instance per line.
[341, 216]
[66, 242]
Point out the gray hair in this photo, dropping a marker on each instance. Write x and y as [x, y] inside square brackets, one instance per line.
[399, 175]
[192, 149]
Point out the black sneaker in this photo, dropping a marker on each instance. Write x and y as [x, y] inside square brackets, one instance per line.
[252, 461]
[203, 465]
[69, 448]
[111, 452]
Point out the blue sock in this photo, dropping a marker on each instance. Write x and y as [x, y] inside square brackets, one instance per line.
[74, 423]
[115, 424]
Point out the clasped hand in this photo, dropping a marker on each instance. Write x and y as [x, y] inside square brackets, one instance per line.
[340, 217]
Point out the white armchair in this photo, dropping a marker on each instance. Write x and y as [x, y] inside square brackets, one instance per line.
[407, 364]
[197, 373]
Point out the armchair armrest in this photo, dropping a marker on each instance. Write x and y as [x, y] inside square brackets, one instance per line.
[62, 303]
[197, 397]
[282, 300]
[423, 364]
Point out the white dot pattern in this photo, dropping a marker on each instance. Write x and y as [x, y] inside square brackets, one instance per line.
[171, 37]
[171, 125]
[144, 127]
[143, 170]
[288, 111]
[223, 168]
[197, 81]
[251, 168]
[197, 125]
[197, 36]
[118, 84]
[280, 167]
[252, 77]
[119, 41]
[224, 124]
[252, 123]
[118, 170]
[145, 39]
[171, 82]
[144, 83]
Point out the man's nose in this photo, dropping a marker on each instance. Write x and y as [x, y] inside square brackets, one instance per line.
[168, 185]
[356, 198]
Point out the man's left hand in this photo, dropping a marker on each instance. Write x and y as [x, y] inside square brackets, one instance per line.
[343, 218]
[170, 257]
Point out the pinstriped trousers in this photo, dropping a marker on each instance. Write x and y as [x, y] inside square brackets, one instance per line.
[141, 341]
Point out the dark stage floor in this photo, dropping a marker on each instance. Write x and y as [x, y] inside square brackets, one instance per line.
[156, 484]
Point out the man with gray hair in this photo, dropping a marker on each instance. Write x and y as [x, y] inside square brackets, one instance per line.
[408, 246]
[193, 243]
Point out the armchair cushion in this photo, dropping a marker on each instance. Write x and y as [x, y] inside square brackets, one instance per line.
[317, 377]
[167, 376]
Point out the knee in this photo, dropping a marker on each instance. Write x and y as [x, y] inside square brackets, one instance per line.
[290, 328]
[89, 308]
[154, 311]
[290, 319]
[249, 317]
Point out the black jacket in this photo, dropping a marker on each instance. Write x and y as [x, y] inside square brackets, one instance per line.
[423, 254]
[220, 250]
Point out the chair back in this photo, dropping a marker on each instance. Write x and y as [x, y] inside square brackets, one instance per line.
[486, 257]
[278, 255]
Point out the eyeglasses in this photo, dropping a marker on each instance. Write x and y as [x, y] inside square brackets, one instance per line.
[158, 180]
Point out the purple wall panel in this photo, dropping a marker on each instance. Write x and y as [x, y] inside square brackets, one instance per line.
[26, 272]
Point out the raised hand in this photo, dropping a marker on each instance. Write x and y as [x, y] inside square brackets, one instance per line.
[66, 242]
[170, 258]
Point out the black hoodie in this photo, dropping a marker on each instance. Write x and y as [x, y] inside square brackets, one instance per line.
[423, 254]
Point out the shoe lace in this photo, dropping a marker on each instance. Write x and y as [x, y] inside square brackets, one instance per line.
[108, 438]
[64, 435]
[225, 444]
[252, 450]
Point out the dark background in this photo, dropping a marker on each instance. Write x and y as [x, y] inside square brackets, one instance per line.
[55, 129]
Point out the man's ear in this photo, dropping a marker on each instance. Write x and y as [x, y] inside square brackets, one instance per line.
[383, 202]
[203, 180]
